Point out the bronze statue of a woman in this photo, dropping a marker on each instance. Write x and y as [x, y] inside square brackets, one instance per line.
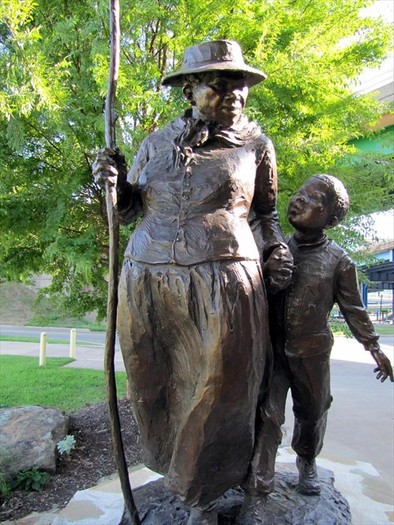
[192, 317]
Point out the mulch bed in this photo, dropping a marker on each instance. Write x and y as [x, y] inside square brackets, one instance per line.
[91, 460]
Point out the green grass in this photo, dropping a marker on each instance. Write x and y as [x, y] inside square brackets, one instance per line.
[341, 328]
[384, 329]
[23, 382]
[67, 323]
[96, 327]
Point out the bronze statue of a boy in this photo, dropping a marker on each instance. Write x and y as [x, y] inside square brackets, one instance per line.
[192, 321]
[323, 274]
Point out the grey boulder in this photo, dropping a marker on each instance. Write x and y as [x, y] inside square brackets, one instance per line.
[28, 438]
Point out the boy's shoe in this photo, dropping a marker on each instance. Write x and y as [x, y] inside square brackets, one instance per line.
[202, 517]
[308, 480]
[253, 511]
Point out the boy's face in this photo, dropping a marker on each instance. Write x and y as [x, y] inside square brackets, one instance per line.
[309, 209]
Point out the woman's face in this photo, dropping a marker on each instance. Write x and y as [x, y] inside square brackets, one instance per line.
[220, 97]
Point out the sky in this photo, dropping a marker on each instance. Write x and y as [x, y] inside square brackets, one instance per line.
[384, 225]
[372, 79]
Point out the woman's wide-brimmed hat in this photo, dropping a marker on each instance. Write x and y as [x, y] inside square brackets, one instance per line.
[219, 55]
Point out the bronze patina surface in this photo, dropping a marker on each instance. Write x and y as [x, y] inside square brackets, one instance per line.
[192, 318]
[302, 340]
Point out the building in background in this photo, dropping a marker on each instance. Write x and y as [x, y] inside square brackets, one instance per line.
[378, 296]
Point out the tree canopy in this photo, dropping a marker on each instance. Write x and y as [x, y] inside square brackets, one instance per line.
[54, 57]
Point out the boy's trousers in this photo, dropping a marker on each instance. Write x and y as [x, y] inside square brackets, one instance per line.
[308, 379]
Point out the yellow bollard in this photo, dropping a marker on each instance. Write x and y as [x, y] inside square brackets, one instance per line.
[73, 342]
[43, 349]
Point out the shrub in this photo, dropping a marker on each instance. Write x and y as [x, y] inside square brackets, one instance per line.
[66, 445]
[30, 479]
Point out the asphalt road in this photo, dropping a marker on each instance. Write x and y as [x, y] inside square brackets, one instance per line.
[86, 336]
[83, 335]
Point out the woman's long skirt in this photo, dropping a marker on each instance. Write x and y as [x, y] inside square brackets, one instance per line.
[194, 342]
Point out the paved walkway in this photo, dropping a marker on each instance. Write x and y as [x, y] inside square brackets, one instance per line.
[358, 446]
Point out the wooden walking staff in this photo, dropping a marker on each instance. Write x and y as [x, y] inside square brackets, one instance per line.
[113, 227]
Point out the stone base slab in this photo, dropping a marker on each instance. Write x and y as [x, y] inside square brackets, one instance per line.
[286, 506]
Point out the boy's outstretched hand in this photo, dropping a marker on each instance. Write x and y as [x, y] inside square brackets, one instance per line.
[384, 368]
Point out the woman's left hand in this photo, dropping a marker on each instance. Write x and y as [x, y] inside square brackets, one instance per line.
[278, 269]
